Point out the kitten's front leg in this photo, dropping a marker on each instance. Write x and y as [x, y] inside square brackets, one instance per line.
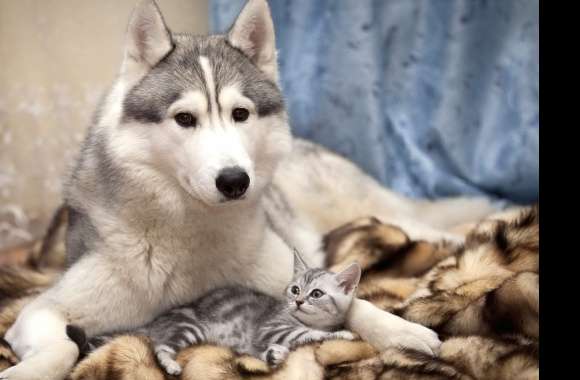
[342, 334]
[311, 336]
[166, 358]
[384, 330]
[319, 336]
[275, 354]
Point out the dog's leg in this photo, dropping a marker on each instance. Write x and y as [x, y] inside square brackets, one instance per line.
[39, 338]
[81, 297]
[383, 330]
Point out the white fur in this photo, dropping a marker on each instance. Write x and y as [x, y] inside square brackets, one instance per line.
[41, 343]
[383, 330]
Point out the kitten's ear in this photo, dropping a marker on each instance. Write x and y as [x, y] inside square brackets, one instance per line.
[348, 279]
[253, 34]
[300, 265]
[148, 39]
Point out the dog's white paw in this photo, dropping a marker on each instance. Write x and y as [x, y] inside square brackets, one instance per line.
[21, 371]
[384, 330]
[53, 364]
[276, 354]
[416, 337]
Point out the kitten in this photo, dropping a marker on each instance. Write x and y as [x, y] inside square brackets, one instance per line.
[251, 322]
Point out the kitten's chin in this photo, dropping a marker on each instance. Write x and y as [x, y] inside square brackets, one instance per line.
[315, 320]
[303, 316]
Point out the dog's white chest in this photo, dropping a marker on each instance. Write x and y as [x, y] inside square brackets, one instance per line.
[186, 268]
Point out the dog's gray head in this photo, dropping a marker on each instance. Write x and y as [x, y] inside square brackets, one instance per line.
[203, 111]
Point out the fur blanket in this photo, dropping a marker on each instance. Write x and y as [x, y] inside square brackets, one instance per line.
[482, 298]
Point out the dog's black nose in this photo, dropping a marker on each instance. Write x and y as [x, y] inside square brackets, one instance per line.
[232, 182]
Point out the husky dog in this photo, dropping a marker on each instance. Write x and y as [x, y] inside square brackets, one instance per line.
[189, 180]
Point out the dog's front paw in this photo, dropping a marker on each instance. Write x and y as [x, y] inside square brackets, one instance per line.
[53, 364]
[417, 337]
[19, 372]
[276, 354]
[384, 330]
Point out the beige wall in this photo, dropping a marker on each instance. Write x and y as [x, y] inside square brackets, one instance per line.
[56, 58]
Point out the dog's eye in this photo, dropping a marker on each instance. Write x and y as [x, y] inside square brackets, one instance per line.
[185, 119]
[295, 290]
[240, 114]
[316, 293]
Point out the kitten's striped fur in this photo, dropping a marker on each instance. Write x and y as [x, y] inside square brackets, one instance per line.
[251, 322]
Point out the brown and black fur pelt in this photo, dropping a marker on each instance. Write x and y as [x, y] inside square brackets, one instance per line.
[482, 298]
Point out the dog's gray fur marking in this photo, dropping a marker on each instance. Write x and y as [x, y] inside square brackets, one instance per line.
[96, 160]
[81, 234]
[180, 70]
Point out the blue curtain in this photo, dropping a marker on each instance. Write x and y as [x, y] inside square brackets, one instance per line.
[432, 98]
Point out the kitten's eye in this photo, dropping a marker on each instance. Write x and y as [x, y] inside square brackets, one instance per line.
[240, 114]
[185, 120]
[295, 290]
[316, 293]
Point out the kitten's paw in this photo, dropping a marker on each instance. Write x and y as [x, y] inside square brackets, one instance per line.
[276, 354]
[169, 364]
[172, 368]
[344, 334]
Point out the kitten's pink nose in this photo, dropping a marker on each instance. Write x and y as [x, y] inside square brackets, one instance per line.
[299, 302]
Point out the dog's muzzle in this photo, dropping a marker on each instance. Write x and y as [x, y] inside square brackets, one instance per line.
[232, 182]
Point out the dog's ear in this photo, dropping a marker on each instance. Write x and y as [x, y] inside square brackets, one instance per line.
[349, 278]
[148, 39]
[253, 34]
